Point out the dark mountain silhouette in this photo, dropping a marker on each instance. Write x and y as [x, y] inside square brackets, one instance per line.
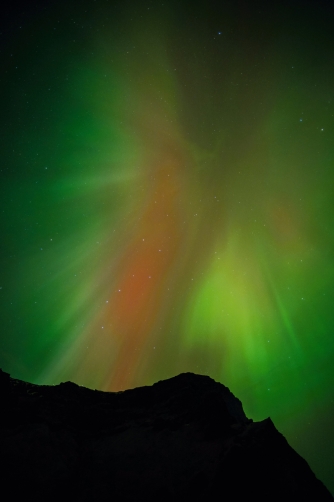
[185, 438]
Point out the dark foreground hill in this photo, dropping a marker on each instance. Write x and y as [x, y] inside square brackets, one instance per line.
[186, 438]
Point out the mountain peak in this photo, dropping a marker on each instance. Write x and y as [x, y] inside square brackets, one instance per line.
[183, 437]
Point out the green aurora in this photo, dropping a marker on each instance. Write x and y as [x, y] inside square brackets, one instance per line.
[167, 190]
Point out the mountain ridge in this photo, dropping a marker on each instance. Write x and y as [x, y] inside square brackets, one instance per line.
[186, 436]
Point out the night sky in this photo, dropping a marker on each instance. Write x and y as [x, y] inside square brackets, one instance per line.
[167, 201]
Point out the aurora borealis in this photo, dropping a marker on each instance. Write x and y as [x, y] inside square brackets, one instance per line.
[167, 189]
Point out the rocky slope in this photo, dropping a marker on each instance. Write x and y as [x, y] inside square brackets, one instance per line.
[186, 438]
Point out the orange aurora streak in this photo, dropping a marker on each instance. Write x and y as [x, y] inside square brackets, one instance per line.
[143, 270]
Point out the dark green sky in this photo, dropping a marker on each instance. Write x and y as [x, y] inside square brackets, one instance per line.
[167, 188]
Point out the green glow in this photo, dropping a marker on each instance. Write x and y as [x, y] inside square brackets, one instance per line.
[167, 196]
